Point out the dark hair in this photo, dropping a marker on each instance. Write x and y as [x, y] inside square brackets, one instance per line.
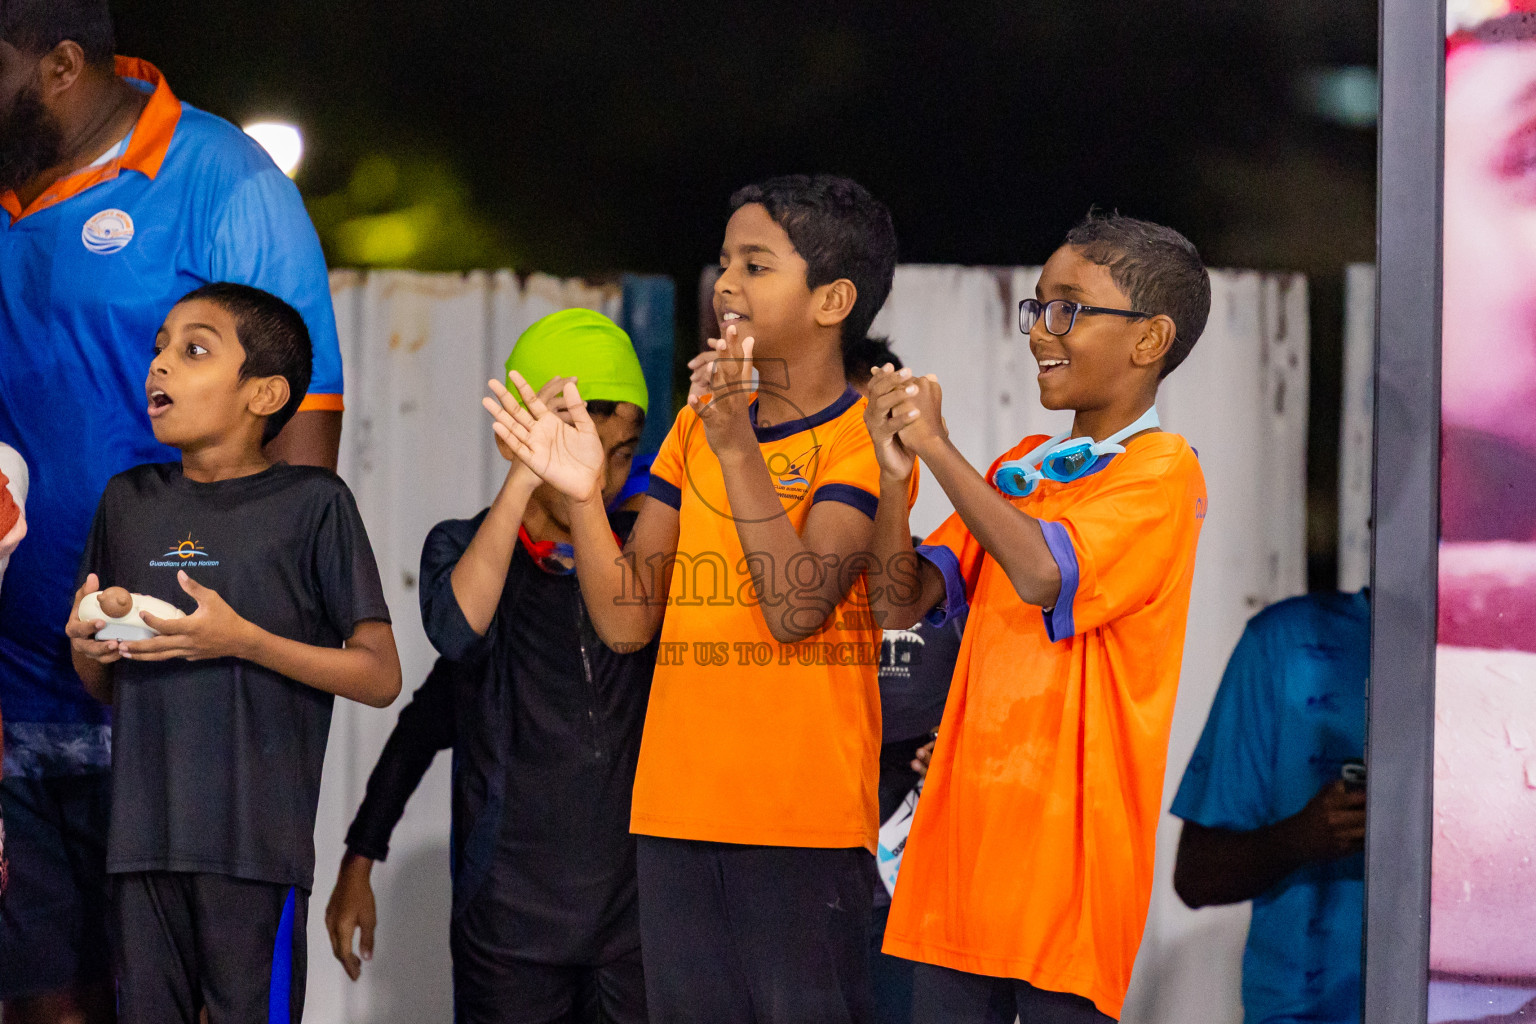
[274, 337]
[37, 26]
[864, 354]
[606, 407]
[840, 230]
[1157, 268]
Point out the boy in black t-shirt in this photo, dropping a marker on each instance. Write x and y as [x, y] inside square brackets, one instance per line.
[544, 722]
[220, 722]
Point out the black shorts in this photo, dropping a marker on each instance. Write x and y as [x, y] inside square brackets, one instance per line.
[755, 934]
[493, 989]
[185, 941]
[53, 915]
[944, 996]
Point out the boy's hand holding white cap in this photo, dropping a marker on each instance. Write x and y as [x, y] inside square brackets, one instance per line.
[122, 613]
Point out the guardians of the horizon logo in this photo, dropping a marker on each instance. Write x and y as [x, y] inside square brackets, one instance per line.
[186, 554]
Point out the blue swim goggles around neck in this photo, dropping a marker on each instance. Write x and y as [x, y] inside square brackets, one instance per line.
[1064, 461]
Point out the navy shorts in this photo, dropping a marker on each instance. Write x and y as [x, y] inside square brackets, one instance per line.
[53, 915]
[944, 996]
[755, 934]
[186, 941]
[492, 989]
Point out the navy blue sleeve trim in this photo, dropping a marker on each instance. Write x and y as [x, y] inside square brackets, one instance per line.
[1058, 620]
[665, 492]
[848, 495]
[955, 602]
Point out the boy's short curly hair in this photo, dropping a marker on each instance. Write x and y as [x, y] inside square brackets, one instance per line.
[841, 231]
[275, 339]
[1157, 268]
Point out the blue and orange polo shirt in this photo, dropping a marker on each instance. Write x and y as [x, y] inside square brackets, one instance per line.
[87, 275]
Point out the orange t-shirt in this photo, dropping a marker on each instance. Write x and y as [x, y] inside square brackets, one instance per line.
[748, 740]
[1031, 853]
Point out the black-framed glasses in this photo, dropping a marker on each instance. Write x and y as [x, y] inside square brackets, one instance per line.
[1061, 315]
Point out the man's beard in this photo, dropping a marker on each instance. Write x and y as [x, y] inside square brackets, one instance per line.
[31, 141]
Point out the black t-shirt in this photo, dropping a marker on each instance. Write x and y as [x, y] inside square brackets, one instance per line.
[915, 669]
[216, 764]
[548, 732]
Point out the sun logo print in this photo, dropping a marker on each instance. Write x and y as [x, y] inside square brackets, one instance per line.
[187, 549]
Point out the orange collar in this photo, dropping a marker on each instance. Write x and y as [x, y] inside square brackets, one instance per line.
[146, 146]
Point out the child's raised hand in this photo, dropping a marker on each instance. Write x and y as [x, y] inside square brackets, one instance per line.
[567, 455]
[82, 634]
[701, 370]
[889, 388]
[920, 420]
[550, 395]
[214, 630]
[723, 397]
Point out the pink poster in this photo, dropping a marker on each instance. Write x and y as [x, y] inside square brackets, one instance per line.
[1483, 892]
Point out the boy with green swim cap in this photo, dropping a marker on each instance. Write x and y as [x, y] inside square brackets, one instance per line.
[544, 924]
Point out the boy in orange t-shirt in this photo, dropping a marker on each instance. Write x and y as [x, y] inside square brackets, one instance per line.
[1026, 877]
[755, 801]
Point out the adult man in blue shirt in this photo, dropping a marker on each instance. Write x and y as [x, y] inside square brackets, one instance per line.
[117, 200]
[1268, 817]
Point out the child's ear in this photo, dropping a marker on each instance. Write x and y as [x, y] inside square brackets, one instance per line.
[834, 302]
[269, 395]
[1156, 339]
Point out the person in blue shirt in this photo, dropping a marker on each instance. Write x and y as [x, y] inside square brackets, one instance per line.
[1268, 813]
[116, 200]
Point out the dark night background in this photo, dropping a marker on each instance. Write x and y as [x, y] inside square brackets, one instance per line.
[593, 138]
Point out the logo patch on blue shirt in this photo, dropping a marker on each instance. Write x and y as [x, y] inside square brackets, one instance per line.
[107, 232]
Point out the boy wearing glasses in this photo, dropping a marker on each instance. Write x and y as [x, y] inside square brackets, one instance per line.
[1027, 875]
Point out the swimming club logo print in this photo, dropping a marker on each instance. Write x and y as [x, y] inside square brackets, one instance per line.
[792, 476]
[107, 232]
[186, 554]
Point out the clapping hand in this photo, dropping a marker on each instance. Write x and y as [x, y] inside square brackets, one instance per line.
[888, 389]
[701, 369]
[550, 395]
[722, 390]
[567, 454]
[920, 419]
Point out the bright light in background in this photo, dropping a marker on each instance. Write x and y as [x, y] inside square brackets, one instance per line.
[281, 141]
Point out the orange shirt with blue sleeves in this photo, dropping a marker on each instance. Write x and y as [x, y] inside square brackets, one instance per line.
[748, 740]
[1032, 850]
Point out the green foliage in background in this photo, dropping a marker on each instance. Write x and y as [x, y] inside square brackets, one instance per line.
[407, 211]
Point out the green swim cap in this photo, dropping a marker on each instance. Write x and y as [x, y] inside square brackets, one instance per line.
[584, 344]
